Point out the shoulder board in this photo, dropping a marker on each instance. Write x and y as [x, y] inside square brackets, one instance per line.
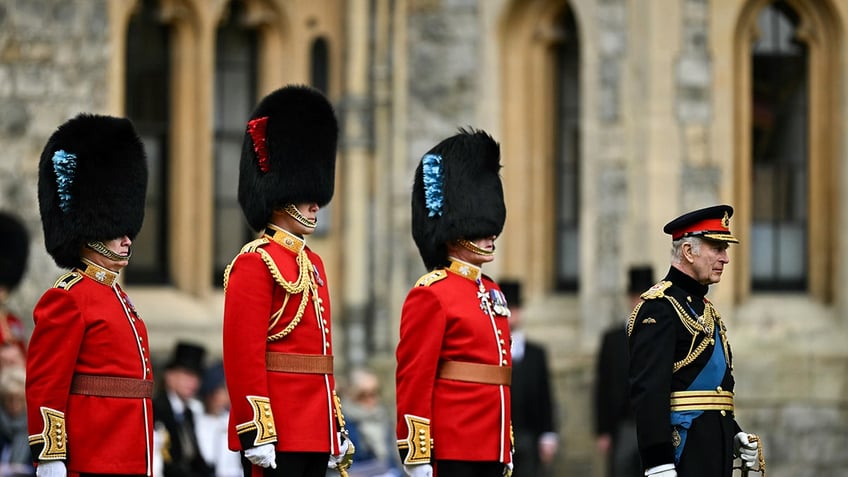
[656, 291]
[253, 245]
[431, 278]
[66, 281]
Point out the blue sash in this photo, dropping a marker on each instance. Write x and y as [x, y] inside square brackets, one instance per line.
[709, 378]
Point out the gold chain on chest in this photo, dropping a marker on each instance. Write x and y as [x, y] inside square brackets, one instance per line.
[706, 324]
[302, 286]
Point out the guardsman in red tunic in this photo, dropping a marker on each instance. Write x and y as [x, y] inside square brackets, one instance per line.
[89, 382]
[14, 250]
[453, 358]
[278, 356]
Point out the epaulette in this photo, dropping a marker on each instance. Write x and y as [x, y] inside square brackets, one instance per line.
[432, 277]
[66, 281]
[656, 291]
[249, 247]
[253, 245]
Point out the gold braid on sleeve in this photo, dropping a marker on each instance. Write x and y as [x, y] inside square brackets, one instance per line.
[53, 437]
[631, 322]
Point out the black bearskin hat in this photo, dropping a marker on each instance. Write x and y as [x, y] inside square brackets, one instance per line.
[14, 250]
[92, 180]
[457, 193]
[289, 153]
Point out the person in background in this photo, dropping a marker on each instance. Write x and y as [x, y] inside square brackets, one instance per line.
[681, 366]
[212, 424]
[533, 413]
[615, 430]
[15, 458]
[370, 427]
[89, 378]
[11, 355]
[14, 251]
[453, 359]
[177, 410]
[285, 416]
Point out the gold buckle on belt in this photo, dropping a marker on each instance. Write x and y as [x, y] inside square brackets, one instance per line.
[701, 401]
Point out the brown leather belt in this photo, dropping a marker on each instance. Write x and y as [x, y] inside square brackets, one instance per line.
[475, 372]
[702, 401]
[111, 386]
[299, 363]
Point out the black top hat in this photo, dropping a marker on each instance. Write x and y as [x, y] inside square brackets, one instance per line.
[188, 356]
[640, 278]
[92, 179]
[711, 223]
[512, 292]
[14, 250]
[289, 153]
[457, 193]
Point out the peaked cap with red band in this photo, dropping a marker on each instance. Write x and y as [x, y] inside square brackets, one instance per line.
[288, 154]
[711, 223]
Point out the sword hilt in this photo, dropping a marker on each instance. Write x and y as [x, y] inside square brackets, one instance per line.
[761, 460]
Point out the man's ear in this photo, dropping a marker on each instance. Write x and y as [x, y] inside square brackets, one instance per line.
[688, 255]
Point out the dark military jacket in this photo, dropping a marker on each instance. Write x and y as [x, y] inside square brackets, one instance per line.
[671, 336]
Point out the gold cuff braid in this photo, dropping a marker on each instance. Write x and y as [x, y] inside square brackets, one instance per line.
[262, 423]
[53, 435]
[418, 441]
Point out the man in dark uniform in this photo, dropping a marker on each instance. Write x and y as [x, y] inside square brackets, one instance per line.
[681, 361]
[453, 357]
[278, 358]
[615, 430]
[89, 381]
[533, 415]
[177, 409]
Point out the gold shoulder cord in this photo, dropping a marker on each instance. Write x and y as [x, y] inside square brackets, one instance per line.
[704, 324]
[631, 322]
[302, 286]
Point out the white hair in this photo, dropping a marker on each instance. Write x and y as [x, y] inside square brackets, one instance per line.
[677, 248]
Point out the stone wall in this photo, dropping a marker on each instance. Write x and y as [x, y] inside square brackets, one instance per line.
[54, 59]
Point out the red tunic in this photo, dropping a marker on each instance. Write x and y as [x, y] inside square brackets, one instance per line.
[12, 331]
[303, 414]
[444, 318]
[88, 327]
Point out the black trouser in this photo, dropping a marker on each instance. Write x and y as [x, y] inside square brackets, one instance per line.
[290, 464]
[461, 468]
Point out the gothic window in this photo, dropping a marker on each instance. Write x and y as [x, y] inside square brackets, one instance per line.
[779, 153]
[319, 65]
[235, 97]
[567, 154]
[147, 99]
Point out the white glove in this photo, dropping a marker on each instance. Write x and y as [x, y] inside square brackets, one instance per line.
[665, 470]
[418, 470]
[346, 450]
[263, 456]
[51, 468]
[745, 449]
[507, 470]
